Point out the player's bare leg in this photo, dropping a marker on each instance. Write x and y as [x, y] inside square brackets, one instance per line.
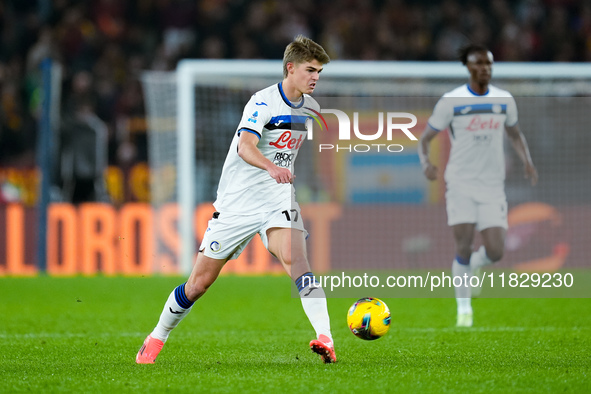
[463, 236]
[179, 303]
[289, 246]
[205, 271]
[493, 239]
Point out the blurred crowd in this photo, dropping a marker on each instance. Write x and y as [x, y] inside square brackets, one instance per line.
[104, 45]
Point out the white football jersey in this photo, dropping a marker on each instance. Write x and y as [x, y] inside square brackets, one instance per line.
[476, 127]
[281, 128]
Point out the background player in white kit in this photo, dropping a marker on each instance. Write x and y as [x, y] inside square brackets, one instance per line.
[475, 115]
[255, 195]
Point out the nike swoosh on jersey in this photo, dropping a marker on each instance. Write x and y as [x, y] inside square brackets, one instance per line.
[261, 103]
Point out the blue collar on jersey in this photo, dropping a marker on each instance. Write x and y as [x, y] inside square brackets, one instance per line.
[476, 94]
[279, 85]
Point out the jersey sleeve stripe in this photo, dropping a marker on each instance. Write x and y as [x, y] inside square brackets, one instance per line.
[250, 131]
[434, 128]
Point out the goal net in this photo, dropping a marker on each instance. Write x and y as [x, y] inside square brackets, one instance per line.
[365, 201]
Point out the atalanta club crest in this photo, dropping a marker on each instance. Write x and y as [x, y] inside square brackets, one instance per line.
[215, 246]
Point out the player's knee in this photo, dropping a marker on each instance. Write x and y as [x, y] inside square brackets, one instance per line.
[195, 289]
[295, 261]
[494, 254]
[464, 250]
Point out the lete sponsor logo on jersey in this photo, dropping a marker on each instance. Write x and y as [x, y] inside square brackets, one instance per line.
[483, 123]
[285, 140]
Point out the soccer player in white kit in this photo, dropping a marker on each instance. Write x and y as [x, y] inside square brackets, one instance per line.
[475, 114]
[256, 195]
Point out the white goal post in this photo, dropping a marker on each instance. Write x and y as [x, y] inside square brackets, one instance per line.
[339, 77]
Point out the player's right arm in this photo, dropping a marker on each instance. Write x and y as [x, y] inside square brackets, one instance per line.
[250, 153]
[429, 169]
[439, 120]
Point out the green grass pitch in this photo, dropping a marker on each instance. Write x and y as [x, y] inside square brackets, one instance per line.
[247, 334]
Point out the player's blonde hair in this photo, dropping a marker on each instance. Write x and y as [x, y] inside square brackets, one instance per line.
[301, 50]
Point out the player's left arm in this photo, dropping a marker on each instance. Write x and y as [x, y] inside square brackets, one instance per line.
[441, 117]
[429, 169]
[520, 145]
